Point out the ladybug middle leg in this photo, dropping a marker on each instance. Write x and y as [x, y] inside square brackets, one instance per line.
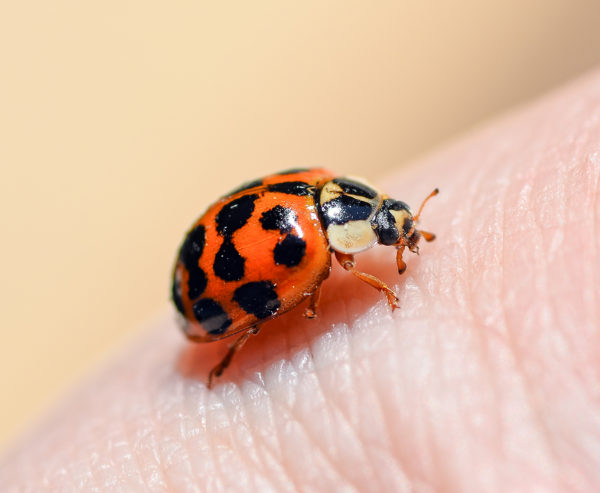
[427, 235]
[218, 370]
[346, 260]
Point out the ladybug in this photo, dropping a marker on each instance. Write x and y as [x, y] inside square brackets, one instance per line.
[265, 247]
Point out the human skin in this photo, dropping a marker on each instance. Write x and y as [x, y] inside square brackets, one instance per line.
[486, 379]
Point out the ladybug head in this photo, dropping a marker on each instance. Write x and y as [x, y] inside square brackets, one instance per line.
[395, 224]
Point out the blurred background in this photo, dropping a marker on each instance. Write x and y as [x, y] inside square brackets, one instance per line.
[121, 120]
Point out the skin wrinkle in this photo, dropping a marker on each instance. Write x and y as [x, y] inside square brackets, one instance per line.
[543, 282]
[214, 446]
[145, 442]
[265, 451]
[225, 395]
[519, 358]
[239, 430]
[184, 421]
[269, 459]
[427, 442]
[484, 343]
[319, 446]
[398, 447]
[505, 340]
[582, 353]
[279, 438]
[433, 435]
[244, 451]
[318, 453]
[162, 456]
[262, 475]
[129, 435]
[573, 348]
[394, 446]
[354, 377]
[166, 447]
[191, 395]
[375, 450]
[482, 324]
[331, 449]
[593, 172]
[568, 343]
[331, 408]
[394, 378]
[510, 342]
[278, 434]
[185, 438]
[484, 355]
[261, 464]
[354, 425]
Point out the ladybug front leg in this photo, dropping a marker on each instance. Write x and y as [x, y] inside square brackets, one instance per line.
[346, 260]
[401, 263]
[218, 370]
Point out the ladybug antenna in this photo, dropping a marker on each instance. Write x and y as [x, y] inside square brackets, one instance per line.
[418, 214]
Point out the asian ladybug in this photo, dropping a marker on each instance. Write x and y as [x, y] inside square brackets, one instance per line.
[265, 247]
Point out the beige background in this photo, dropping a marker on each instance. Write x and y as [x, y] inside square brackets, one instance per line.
[121, 120]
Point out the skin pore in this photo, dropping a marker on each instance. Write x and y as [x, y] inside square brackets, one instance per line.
[486, 378]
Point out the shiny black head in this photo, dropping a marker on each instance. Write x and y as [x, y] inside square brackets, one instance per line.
[394, 222]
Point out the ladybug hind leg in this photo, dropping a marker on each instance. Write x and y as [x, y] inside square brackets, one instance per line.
[218, 370]
[346, 260]
[313, 303]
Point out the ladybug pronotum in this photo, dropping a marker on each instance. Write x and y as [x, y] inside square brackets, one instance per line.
[266, 247]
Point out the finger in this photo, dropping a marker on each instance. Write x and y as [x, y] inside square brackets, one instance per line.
[490, 365]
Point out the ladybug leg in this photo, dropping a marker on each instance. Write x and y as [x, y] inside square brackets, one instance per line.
[401, 263]
[346, 260]
[427, 235]
[313, 303]
[218, 370]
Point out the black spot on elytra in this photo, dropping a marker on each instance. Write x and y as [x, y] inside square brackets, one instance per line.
[229, 264]
[355, 188]
[192, 247]
[196, 282]
[293, 171]
[281, 218]
[343, 209]
[299, 188]
[176, 295]
[212, 316]
[290, 251]
[234, 214]
[258, 298]
[246, 186]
